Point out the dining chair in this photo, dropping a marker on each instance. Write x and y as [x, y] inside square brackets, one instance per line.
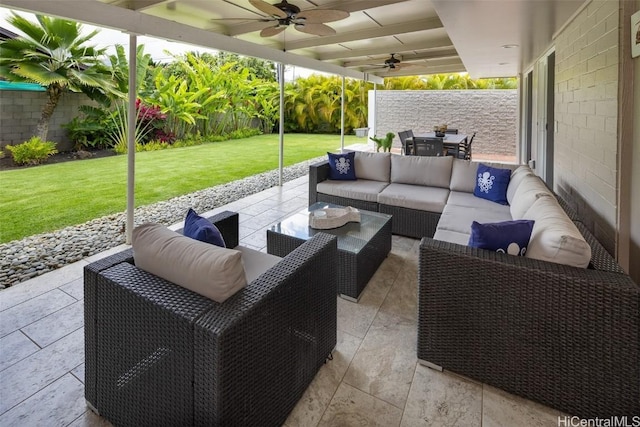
[464, 150]
[425, 146]
[404, 135]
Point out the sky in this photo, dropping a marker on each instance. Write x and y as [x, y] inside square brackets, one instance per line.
[160, 50]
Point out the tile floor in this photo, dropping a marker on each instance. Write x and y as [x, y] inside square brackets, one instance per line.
[373, 380]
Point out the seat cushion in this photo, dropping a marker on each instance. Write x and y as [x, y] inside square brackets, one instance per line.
[256, 262]
[214, 272]
[373, 166]
[460, 198]
[342, 166]
[421, 170]
[431, 199]
[459, 218]
[452, 237]
[360, 190]
[555, 238]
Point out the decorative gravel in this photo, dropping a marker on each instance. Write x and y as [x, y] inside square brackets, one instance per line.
[32, 256]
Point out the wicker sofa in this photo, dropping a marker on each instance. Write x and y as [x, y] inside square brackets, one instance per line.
[545, 328]
[159, 354]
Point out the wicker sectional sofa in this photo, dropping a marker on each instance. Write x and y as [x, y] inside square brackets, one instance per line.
[159, 354]
[560, 326]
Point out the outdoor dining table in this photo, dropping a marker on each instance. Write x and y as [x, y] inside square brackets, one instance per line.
[450, 141]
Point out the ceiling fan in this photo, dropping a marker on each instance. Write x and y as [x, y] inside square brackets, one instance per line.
[284, 14]
[392, 63]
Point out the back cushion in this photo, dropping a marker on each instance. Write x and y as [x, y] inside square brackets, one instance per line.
[421, 170]
[214, 272]
[464, 174]
[555, 238]
[530, 189]
[516, 178]
[373, 166]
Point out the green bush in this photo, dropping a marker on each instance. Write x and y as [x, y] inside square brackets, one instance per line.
[244, 133]
[92, 129]
[33, 151]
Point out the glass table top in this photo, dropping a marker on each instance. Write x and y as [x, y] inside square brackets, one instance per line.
[352, 236]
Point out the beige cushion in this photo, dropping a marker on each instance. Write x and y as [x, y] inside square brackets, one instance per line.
[464, 174]
[256, 262]
[517, 177]
[528, 191]
[452, 237]
[421, 170]
[459, 198]
[212, 271]
[459, 218]
[373, 166]
[555, 237]
[431, 199]
[360, 189]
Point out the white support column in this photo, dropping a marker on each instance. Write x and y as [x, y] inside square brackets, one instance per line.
[342, 119]
[281, 151]
[131, 136]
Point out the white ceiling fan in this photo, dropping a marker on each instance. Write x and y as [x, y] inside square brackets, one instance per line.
[284, 14]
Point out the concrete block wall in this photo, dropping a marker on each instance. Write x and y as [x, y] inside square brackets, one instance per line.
[21, 110]
[492, 114]
[586, 107]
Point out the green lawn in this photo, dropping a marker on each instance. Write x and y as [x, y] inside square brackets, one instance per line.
[45, 198]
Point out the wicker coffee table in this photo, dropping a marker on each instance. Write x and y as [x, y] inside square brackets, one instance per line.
[361, 246]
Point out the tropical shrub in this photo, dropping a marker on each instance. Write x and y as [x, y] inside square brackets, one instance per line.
[32, 152]
[146, 119]
[91, 129]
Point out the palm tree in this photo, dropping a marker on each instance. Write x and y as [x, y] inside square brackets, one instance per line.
[51, 52]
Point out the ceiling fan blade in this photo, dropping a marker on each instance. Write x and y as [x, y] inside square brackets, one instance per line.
[319, 16]
[316, 29]
[272, 31]
[267, 8]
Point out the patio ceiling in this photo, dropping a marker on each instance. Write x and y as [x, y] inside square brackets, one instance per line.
[429, 36]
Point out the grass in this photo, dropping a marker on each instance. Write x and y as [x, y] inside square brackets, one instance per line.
[45, 198]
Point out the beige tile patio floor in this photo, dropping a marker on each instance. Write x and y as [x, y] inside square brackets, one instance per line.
[373, 379]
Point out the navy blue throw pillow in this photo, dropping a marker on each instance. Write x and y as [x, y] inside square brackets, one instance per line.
[492, 183]
[510, 237]
[342, 166]
[200, 228]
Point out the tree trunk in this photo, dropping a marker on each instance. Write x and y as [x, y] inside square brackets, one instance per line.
[54, 92]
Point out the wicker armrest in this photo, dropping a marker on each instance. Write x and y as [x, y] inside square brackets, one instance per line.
[564, 336]
[228, 224]
[262, 349]
[318, 172]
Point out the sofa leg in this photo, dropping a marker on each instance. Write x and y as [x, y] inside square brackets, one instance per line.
[92, 408]
[430, 365]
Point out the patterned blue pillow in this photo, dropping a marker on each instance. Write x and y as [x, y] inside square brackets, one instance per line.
[511, 237]
[200, 228]
[342, 166]
[492, 183]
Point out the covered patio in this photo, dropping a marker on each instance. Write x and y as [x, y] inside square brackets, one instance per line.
[373, 379]
[578, 129]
